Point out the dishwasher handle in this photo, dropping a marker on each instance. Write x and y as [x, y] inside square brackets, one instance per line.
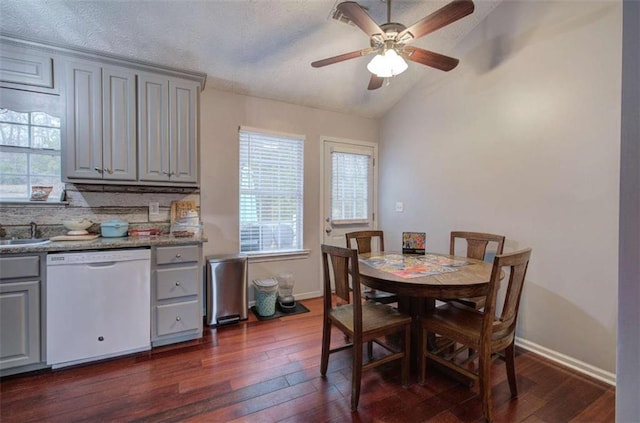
[102, 264]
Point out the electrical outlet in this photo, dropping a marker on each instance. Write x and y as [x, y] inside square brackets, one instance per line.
[154, 209]
[399, 206]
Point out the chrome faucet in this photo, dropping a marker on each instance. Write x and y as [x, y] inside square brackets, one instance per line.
[34, 229]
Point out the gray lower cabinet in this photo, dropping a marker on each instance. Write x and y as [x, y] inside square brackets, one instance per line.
[21, 316]
[176, 294]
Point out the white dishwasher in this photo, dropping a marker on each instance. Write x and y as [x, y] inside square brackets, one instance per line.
[98, 305]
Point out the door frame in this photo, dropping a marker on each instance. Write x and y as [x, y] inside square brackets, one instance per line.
[347, 142]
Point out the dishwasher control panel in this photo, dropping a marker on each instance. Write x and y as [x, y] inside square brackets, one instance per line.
[97, 256]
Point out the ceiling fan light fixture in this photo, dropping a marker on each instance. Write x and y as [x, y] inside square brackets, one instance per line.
[387, 64]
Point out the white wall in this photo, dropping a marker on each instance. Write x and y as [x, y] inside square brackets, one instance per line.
[220, 116]
[523, 139]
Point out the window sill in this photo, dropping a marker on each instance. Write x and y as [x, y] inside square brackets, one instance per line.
[260, 257]
[32, 203]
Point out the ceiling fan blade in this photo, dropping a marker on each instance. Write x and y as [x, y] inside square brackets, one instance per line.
[375, 82]
[342, 57]
[429, 58]
[450, 13]
[356, 14]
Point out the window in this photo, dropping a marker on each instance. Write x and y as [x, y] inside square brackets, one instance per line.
[350, 188]
[271, 191]
[29, 154]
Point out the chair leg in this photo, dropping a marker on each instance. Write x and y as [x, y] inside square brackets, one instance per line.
[406, 360]
[485, 384]
[510, 357]
[422, 356]
[356, 376]
[326, 341]
[370, 350]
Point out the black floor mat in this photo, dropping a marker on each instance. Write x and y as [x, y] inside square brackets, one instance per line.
[279, 313]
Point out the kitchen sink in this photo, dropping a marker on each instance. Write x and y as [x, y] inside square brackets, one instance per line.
[23, 242]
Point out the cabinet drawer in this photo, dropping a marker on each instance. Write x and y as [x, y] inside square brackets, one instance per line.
[179, 254]
[178, 317]
[176, 282]
[19, 267]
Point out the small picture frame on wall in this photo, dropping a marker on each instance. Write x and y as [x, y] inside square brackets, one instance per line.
[414, 242]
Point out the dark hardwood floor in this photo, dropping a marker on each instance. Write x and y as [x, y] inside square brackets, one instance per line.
[269, 371]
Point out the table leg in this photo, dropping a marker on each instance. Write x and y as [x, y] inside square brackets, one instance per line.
[415, 307]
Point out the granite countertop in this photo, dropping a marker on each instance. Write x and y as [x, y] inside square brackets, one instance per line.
[103, 244]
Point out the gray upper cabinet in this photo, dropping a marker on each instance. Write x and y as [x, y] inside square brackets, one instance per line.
[101, 122]
[119, 124]
[168, 125]
[125, 122]
[28, 70]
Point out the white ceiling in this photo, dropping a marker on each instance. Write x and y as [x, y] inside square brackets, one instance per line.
[261, 48]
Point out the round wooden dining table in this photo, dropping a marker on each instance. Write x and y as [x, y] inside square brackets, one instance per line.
[465, 277]
[469, 277]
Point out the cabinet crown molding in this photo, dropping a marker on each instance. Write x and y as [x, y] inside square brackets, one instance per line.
[102, 57]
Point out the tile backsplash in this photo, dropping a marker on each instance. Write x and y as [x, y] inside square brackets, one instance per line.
[98, 203]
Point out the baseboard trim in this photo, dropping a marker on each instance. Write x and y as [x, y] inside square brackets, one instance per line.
[570, 362]
[303, 296]
[307, 295]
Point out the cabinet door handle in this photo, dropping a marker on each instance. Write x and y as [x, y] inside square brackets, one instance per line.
[178, 255]
[178, 318]
[109, 171]
[97, 169]
[165, 173]
[177, 283]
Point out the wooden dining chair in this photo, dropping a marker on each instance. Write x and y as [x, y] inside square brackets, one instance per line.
[363, 243]
[477, 243]
[361, 322]
[461, 328]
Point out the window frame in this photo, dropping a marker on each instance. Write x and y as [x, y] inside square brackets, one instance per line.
[368, 218]
[261, 254]
[31, 102]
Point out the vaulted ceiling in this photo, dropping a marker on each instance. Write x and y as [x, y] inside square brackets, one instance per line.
[261, 48]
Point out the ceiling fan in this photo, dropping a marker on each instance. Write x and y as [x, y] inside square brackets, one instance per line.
[390, 41]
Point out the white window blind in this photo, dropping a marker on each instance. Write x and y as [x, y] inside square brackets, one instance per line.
[350, 187]
[271, 191]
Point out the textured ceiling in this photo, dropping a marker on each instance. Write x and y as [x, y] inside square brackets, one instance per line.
[261, 48]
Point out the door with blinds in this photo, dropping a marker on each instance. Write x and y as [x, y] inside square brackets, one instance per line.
[349, 189]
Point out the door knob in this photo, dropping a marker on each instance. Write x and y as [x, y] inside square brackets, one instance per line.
[328, 230]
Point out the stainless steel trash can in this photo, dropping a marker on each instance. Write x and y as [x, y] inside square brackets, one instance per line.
[226, 289]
